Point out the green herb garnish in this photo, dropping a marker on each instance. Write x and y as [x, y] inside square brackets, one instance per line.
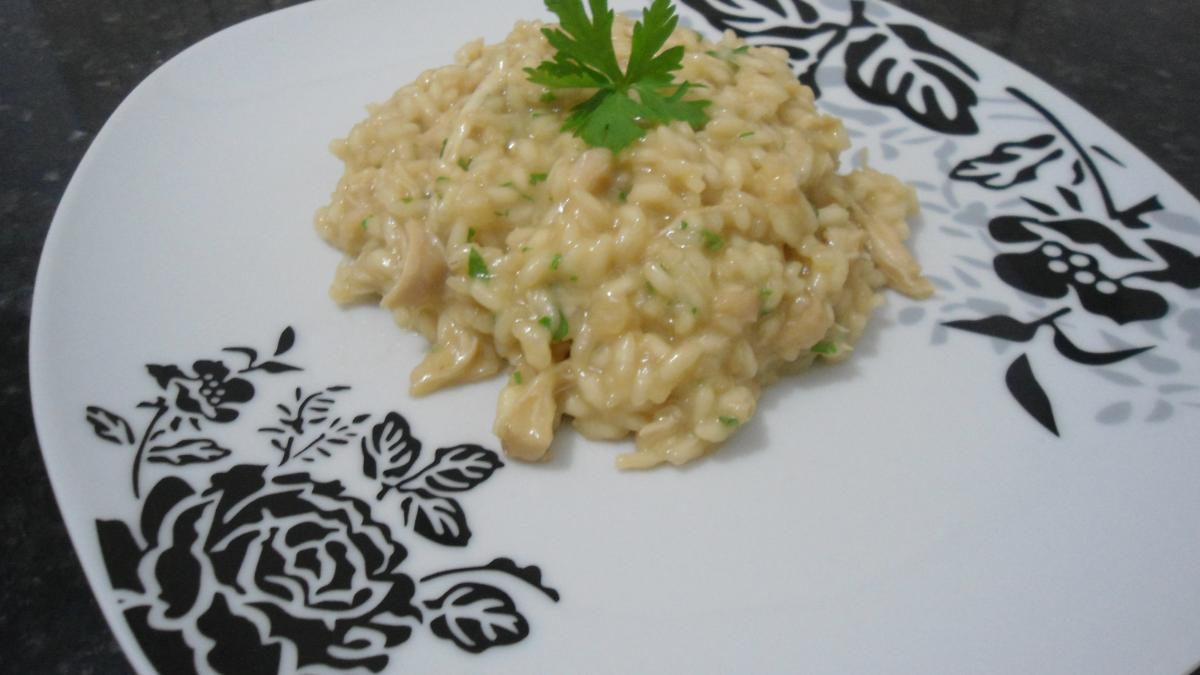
[476, 267]
[464, 163]
[683, 225]
[623, 195]
[585, 59]
[559, 331]
[406, 200]
[555, 261]
[443, 150]
[825, 347]
[363, 224]
[470, 234]
[746, 134]
[548, 97]
[730, 422]
[517, 378]
[511, 185]
[712, 240]
[535, 178]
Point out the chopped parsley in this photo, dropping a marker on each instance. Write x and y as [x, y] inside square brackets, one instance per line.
[623, 195]
[728, 56]
[825, 347]
[712, 240]
[683, 225]
[746, 134]
[586, 59]
[364, 222]
[476, 267]
[558, 330]
[555, 261]
[464, 163]
[441, 179]
[518, 378]
[406, 200]
[548, 97]
[535, 178]
[470, 234]
[442, 152]
[524, 195]
[730, 422]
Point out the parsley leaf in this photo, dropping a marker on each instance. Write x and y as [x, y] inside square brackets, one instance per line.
[476, 266]
[825, 347]
[712, 240]
[558, 330]
[585, 59]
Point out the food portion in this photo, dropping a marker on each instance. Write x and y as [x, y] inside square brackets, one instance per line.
[642, 243]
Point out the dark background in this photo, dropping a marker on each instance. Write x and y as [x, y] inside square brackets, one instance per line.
[66, 64]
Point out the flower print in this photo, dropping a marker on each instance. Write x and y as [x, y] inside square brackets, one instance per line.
[210, 392]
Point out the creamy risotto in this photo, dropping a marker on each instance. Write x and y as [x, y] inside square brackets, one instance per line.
[650, 293]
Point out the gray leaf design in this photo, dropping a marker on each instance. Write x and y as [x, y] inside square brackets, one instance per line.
[1162, 411]
[1116, 413]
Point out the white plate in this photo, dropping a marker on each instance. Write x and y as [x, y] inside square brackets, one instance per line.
[967, 494]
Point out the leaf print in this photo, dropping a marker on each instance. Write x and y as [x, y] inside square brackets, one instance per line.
[190, 451]
[899, 66]
[1068, 349]
[1028, 392]
[1009, 164]
[437, 518]
[1000, 326]
[1183, 268]
[390, 450]
[460, 468]
[109, 426]
[477, 617]
[286, 340]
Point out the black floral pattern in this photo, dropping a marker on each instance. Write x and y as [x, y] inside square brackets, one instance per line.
[299, 557]
[1063, 237]
[256, 568]
[891, 64]
[210, 392]
[1044, 251]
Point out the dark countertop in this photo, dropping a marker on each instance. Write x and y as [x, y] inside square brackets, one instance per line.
[68, 63]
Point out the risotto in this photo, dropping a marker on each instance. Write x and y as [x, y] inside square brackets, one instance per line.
[652, 292]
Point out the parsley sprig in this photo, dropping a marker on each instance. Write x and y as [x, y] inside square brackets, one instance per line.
[585, 58]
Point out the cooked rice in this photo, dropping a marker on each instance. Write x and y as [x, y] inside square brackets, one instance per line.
[688, 271]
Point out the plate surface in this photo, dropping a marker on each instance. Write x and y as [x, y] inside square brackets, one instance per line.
[1001, 480]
